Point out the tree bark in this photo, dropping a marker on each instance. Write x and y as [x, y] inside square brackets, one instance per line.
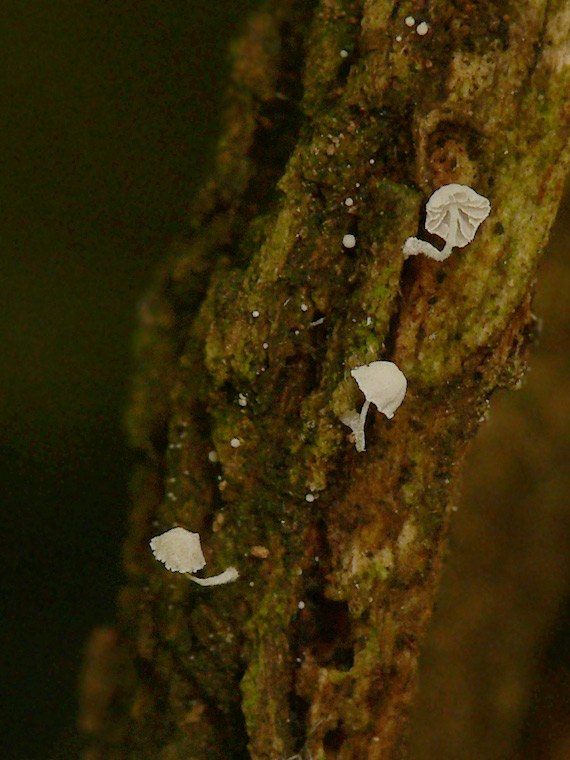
[250, 333]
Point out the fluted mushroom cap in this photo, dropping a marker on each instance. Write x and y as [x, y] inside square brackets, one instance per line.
[383, 384]
[179, 550]
[454, 213]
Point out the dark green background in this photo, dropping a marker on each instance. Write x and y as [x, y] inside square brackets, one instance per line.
[109, 112]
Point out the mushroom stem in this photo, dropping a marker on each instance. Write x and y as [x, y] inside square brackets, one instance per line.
[229, 575]
[414, 246]
[446, 250]
[359, 433]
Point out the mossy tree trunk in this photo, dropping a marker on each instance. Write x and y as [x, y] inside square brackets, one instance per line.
[251, 332]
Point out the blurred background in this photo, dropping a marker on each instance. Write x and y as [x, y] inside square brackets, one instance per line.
[109, 114]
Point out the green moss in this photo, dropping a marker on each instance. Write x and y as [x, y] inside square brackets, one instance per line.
[378, 126]
[266, 682]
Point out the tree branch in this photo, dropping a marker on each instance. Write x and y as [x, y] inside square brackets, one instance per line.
[251, 333]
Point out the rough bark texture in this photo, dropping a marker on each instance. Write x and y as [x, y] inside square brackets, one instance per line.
[251, 333]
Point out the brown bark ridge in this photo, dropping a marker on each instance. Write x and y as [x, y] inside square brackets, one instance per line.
[251, 332]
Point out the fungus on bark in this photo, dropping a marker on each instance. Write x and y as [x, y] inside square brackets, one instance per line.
[383, 385]
[180, 551]
[454, 213]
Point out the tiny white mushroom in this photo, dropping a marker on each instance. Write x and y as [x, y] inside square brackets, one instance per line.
[349, 241]
[454, 213]
[180, 551]
[383, 385]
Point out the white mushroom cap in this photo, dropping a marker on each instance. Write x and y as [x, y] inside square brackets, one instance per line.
[179, 550]
[454, 212]
[383, 384]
